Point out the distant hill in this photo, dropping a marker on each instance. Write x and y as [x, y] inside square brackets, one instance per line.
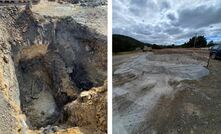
[122, 43]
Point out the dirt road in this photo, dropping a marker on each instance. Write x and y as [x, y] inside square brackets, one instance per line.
[165, 92]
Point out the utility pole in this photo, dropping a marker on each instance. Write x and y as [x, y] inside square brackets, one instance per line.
[207, 66]
[195, 40]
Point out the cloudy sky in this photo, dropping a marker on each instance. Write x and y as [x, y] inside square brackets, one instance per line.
[167, 21]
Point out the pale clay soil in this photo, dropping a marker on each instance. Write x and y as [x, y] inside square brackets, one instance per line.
[166, 91]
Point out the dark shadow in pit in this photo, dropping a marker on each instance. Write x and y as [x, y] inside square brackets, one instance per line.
[42, 104]
[80, 77]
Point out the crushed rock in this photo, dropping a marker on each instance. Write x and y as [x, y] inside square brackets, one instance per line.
[146, 78]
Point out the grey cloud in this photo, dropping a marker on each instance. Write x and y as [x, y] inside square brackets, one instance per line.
[185, 35]
[172, 31]
[138, 2]
[202, 16]
[171, 16]
[139, 7]
[165, 5]
[164, 21]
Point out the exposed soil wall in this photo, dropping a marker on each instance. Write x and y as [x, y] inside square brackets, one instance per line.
[49, 61]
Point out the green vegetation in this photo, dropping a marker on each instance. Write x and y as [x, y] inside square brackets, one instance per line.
[122, 43]
[196, 41]
[211, 43]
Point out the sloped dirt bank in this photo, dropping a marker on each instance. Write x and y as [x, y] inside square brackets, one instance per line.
[51, 60]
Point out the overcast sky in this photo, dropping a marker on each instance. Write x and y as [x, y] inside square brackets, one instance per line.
[167, 21]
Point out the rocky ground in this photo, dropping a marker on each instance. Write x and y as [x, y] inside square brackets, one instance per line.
[168, 91]
[53, 69]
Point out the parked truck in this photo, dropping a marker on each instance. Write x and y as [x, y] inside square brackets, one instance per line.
[215, 52]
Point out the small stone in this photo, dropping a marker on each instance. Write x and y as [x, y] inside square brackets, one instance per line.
[6, 60]
[25, 29]
[87, 48]
[54, 128]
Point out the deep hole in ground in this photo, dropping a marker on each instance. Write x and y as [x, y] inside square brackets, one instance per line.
[39, 101]
[55, 60]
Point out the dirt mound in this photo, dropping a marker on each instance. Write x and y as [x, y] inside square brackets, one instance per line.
[91, 104]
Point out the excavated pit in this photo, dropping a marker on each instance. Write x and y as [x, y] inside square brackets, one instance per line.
[55, 60]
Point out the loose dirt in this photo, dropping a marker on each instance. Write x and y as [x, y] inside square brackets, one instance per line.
[142, 83]
[53, 69]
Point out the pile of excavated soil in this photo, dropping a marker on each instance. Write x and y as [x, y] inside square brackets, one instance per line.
[141, 80]
[53, 73]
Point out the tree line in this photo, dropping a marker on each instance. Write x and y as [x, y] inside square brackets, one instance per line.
[122, 43]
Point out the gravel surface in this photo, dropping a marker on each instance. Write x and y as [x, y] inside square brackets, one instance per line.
[141, 80]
